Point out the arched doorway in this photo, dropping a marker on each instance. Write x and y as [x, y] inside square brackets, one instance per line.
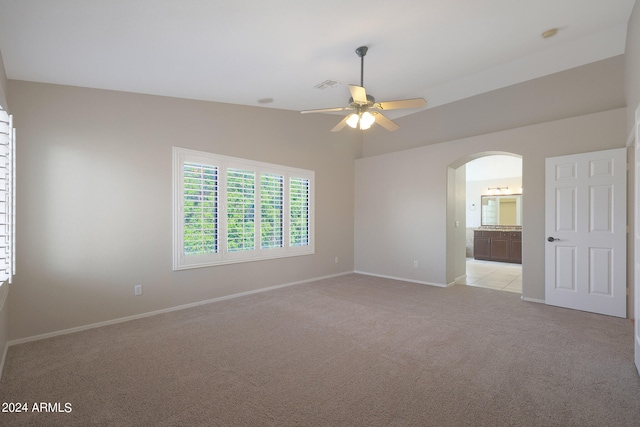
[489, 172]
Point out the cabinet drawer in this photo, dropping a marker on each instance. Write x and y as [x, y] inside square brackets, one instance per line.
[487, 233]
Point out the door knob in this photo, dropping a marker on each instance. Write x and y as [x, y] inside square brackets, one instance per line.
[551, 239]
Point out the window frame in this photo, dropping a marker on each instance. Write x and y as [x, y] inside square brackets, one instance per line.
[7, 199]
[223, 256]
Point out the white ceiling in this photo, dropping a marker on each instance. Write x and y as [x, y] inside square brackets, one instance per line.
[243, 51]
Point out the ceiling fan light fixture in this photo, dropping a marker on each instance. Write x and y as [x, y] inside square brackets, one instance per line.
[353, 120]
[366, 120]
[362, 121]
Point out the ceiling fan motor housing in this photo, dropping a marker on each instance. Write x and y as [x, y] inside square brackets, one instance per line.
[370, 101]
[362, 51]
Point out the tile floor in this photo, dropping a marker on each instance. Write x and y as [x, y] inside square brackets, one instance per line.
[502, 276]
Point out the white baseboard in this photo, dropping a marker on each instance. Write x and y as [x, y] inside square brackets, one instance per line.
[539, 301]
[4, 357]
[4, 344]
[164, 310]
[403, 279]
[458, 280]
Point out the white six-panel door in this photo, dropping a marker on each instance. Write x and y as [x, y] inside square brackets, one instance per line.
[585, 222]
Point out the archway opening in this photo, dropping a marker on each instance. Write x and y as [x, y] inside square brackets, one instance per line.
[478, 187]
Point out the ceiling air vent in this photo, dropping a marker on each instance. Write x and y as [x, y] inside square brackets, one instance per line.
[327, 84]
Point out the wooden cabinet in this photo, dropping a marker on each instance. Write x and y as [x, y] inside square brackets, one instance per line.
[481, 246]
[497, 245]
[515, 254]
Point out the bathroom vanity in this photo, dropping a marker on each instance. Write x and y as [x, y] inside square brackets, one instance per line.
[498, 244]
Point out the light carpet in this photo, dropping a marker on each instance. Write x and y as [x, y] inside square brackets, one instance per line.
[347, 351]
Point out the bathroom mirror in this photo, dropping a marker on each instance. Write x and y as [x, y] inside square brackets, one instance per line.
[501, 210]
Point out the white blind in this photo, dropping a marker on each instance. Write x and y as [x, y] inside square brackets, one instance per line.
[299, 211]
[200, 209]
[271, 207]
[240, 210]
[7, 198]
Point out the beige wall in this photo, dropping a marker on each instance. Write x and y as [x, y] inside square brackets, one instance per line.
[3, 84]
[578, 110]
[94, 201]
[632, 65]
[401, 214]
[591, 88]
[4, 289]
[632, 93]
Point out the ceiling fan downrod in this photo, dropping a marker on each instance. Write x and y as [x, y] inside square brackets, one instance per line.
[362, 51]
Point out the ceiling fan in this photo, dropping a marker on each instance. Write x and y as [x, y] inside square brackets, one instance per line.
[365, 110]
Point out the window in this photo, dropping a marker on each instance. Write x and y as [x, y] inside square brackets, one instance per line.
[7, 198]
[229, 210]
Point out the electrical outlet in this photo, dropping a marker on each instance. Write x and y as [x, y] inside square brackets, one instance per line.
[336, 260]
[137, 290]
[415, 264]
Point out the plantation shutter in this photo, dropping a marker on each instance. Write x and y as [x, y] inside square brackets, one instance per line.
[299, 211]
[200, 207]
[240, 210]
[7, 198]
[271, 207]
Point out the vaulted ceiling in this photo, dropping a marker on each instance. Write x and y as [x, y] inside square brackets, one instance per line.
[274, 53]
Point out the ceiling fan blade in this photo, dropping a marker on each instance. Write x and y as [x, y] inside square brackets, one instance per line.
[358, 94]
[327, 110]
[386, 123]
[340, 125]
[396, 105]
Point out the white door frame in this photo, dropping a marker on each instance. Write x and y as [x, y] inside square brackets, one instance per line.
[636, 241]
